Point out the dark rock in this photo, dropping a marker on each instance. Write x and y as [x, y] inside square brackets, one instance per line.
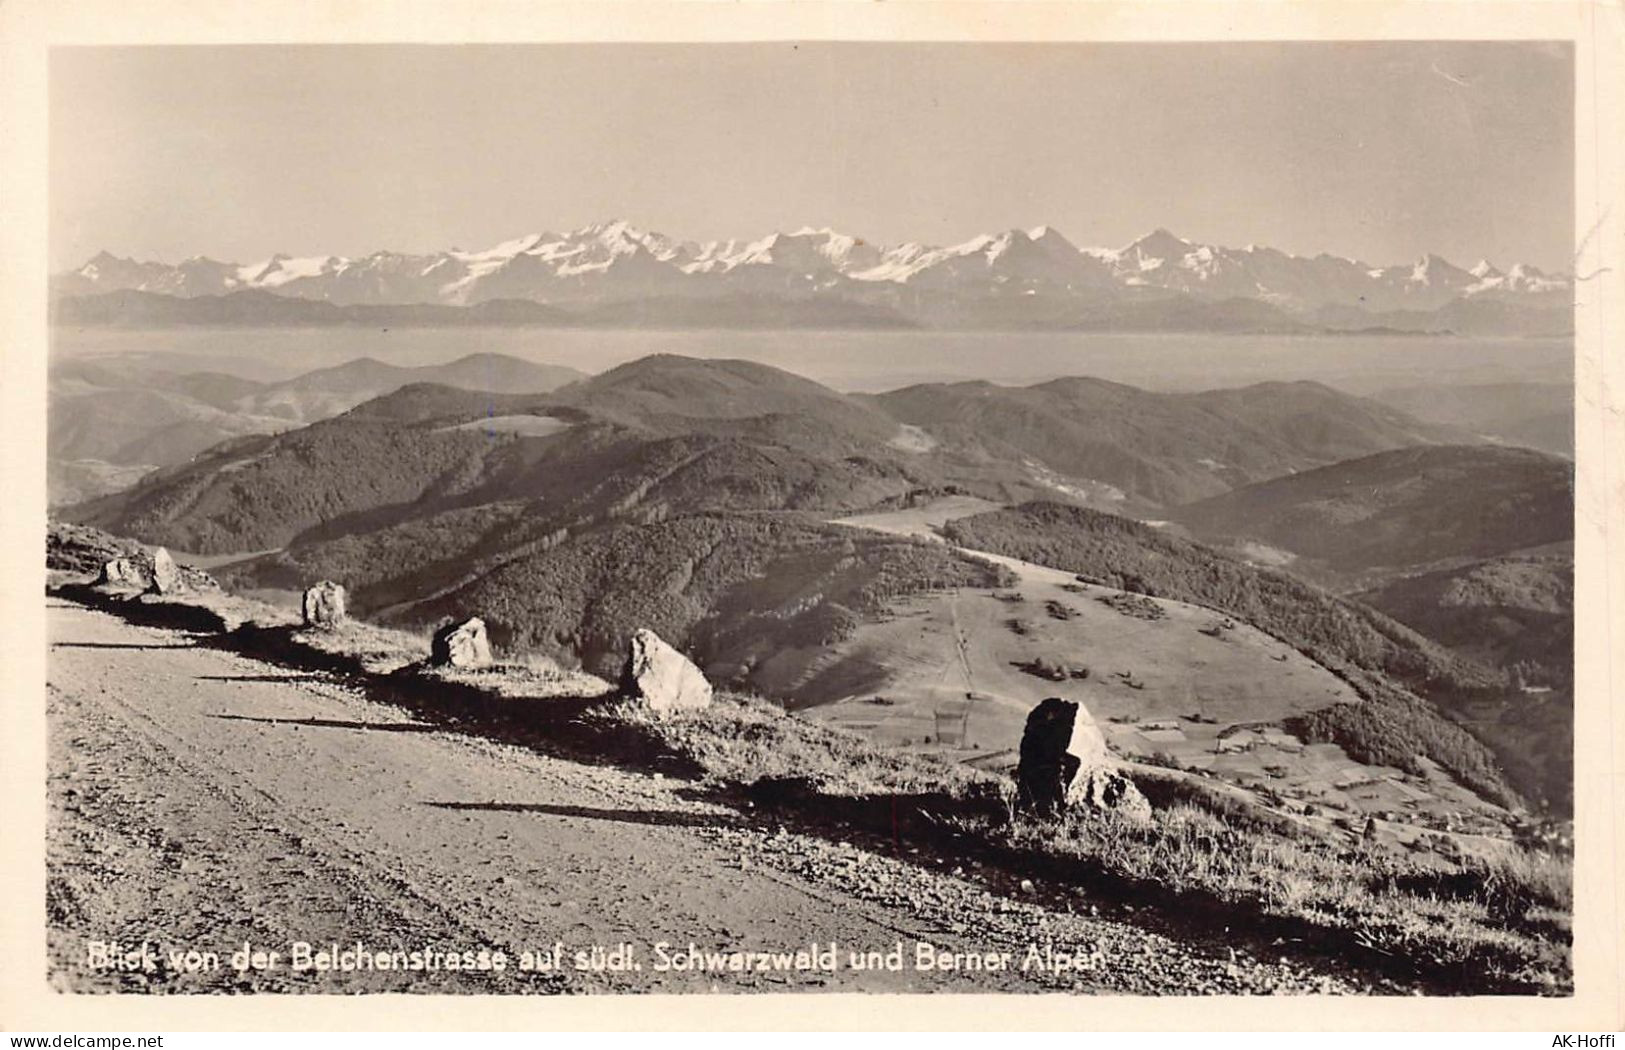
[323, 605]
[1060, 741]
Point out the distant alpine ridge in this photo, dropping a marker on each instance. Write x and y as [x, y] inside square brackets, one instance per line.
[613, 273]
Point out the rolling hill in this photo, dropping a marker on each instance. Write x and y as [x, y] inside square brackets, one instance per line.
[788, 440]
[1533, 415]
[733, 589]
[1157, 448]
[626, 516]
[141, 426]
[1367, 518]
[407, 456]
[1515, 612]
[261, 491]
[110, 421]
[90, 375]
[674, 393]
[329, 391]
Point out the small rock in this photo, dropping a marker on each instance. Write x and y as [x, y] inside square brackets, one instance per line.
[323, 605]
[1106, 790]
[122, 572]
[1027, 886]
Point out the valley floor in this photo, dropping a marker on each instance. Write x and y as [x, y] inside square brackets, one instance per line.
[201, 800]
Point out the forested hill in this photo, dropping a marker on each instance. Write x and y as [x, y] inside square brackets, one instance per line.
[1408, 507]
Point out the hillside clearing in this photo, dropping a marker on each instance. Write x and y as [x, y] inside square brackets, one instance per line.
[1164, 691]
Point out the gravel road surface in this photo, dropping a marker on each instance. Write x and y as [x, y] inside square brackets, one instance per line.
[204, 802]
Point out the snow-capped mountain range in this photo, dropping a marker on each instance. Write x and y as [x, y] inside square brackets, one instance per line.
[616, 262]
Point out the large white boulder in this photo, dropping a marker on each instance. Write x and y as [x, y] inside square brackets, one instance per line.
[166, 575]
[661, 678]
[463, 645]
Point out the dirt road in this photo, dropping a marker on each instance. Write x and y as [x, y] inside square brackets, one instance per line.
[203, 801]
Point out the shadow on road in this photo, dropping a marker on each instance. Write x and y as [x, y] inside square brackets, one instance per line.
[333, 723]
[659, 817]
[120, 645]
[562, 727]
[278, 679]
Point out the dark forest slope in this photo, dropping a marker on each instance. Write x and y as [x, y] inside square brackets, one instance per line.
[1411, 507]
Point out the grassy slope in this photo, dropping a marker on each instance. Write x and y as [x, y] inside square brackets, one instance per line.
[1372, 652]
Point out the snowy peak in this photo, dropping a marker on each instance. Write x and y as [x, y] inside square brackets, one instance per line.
[103, 262]
[1434, 270]
[805, 249]
[1158, 244]
[618, 261]
[1026, 260]
[1520, 281]
[618, 237]
[105, 266]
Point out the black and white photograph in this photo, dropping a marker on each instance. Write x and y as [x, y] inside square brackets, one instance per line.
[790, 517]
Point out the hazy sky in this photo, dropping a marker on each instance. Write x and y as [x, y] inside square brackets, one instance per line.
[1378, 151]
